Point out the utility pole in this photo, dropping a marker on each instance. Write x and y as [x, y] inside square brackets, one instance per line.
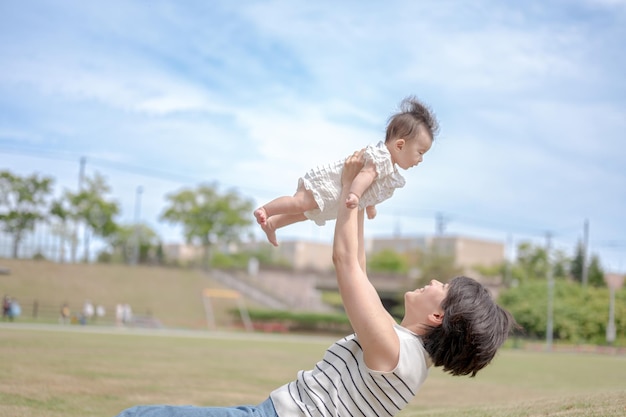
[136, 237]
[509, 260]
[614, 282]
[550, 276]
[81, 173]
[585, 271]
[397, 228]
[81, 177]
[440, 223]
[86, 235]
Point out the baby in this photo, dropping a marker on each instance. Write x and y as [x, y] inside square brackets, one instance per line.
[410, 134]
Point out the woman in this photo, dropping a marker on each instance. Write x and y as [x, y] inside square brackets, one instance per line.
[379, 369]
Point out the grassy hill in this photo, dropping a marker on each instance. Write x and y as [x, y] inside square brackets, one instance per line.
[171, 295]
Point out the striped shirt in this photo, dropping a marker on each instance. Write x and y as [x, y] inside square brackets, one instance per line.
[341, 385]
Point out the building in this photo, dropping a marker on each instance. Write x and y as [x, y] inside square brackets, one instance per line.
[303, 255]
[467, 252]
[182, 253]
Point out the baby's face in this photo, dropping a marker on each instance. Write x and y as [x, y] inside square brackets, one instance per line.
[411, 152]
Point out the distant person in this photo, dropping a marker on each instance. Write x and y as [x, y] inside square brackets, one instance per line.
[88, 310]
[15, 310]
[64, 316]
[6, 307]
[127, 314]
[100, 311]
[119, 314]
[378, 370]
[410, 134]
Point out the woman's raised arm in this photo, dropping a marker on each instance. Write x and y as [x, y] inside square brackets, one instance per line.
[369, 319]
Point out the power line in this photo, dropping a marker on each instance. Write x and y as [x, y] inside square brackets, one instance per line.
[118, 166]
[441, 219]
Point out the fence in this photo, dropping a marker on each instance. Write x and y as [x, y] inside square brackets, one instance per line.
[44, 242]
[36, 311]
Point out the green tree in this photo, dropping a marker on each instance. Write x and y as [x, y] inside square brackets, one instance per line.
[500, 270]
[577, 264]
[22, 204]
[90, 207]
[208, 216]
[531, 262]
[579, 315]
[561, 264]
[388, 260]
[595, 275]
[437, 263]
[126, 239]
[60, 218]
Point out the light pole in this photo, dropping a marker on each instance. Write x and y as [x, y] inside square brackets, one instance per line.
[614, 282]
[136, 232]
[550, 318]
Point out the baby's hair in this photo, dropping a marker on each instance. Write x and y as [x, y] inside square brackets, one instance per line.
[412, 116]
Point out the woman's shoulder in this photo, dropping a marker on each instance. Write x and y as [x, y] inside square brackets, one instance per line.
[413, 345]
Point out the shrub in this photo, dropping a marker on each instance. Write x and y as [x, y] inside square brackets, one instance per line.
[580, 315]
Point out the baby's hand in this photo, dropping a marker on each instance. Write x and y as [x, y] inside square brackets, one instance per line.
[371, 212]
[352, 201]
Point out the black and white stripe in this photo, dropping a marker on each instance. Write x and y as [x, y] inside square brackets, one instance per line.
[340, 385]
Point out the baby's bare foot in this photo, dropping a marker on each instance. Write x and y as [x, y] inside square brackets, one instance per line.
[261, 216]
[270, 232]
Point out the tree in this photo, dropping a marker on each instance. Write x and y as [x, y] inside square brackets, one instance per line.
[60, 217]
[208, 216]
[388, 260]
[531, 263]
[596, 273]
[125, 240]
[22, 204]
[561, 264]
[438, 264]
[90, 207]
[577, 264]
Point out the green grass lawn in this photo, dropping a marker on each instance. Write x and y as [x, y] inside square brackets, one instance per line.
[172, 295]
[81, 371]
[72, 371]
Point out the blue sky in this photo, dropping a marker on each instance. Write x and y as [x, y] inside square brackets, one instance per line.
[531, 98]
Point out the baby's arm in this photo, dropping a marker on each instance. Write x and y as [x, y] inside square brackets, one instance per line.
[361, 182]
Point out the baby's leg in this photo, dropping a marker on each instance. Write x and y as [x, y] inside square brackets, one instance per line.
[300, 202]
[278, 221]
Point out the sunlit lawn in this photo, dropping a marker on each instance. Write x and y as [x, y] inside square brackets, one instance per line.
[71, 372]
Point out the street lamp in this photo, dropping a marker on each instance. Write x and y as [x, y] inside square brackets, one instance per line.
[614, 282]
[135, 257]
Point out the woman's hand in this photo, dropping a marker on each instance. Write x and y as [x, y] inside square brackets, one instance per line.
[353, 165]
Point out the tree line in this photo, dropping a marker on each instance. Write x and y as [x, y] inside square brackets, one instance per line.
[207, 216]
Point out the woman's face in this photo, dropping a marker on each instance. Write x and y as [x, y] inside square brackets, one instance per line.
[425, 301]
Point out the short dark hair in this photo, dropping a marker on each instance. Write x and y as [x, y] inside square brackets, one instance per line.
[412, 116]
[472, 330]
